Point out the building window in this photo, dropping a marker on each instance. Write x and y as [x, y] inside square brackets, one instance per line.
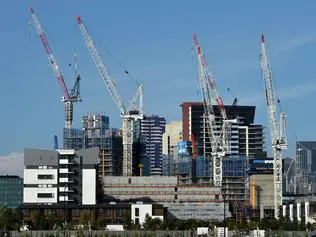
[136, 211]
[45, 176]
[45, 195]
[137, 221]
[129, 180]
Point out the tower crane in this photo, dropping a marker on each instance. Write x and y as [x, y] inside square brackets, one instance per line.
[277, 127]
[235, 102]
[287, 183]
[132, 113]
[220, 142]
[70, 96]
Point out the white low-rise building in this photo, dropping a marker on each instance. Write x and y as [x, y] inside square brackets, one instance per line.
[139, 212]
[61, 176]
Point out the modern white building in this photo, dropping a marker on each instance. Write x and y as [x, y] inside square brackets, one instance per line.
[61, 176]
[140, 210]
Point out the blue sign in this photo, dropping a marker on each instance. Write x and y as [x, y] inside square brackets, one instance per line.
[182, 148]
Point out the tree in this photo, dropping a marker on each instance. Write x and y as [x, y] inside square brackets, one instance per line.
[9, 219]
[152, 224]
[100, 223]
[129, 223]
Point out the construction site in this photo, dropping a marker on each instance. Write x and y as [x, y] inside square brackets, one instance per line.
[212, 164]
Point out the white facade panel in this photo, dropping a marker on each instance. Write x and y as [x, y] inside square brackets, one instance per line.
[63, 180]
[31, 176]
[64, 161]
[30, 195]
[64, 170]
[88, 186]
[66, 152]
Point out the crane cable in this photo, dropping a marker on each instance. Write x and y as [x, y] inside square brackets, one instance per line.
[113, 57]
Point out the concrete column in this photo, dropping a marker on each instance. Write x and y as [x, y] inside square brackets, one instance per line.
[284, 210]
[291, 212]
[306, 212]
[298, 211]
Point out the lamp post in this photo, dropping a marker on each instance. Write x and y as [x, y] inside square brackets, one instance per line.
[224, 214]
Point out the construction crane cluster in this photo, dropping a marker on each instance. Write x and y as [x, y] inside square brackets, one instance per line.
[218, 138]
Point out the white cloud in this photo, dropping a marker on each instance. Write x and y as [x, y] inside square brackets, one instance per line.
[297, 91]
[295, 43]
[12, 164]
[291, 92]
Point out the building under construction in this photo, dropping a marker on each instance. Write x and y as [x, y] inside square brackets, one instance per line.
[235, 185]
[247, 138]
[182, 201]
[95, 132]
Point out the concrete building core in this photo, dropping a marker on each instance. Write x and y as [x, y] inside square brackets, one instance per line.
[262, 194]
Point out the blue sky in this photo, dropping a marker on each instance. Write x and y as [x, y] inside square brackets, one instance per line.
[153, 40]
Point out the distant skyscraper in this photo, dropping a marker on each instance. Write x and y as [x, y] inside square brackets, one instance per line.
[152, 129]
[305, 167]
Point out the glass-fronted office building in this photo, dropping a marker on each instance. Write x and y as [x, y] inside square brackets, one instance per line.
[11, 190]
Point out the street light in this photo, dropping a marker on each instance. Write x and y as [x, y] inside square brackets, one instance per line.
[224, 197]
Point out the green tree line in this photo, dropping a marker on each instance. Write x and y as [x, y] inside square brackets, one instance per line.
[11, 219]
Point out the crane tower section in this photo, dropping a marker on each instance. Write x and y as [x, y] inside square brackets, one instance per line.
[277, 127]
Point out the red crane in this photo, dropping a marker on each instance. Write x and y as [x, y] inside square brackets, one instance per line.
[69, 96]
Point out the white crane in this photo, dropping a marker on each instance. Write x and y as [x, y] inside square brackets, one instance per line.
[277, 128]
[134, 110]
[220, 141]
[286, 175]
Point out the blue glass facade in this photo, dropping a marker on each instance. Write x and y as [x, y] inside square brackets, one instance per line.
[11, 191]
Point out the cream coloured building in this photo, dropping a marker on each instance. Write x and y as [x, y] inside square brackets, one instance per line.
[171, 137]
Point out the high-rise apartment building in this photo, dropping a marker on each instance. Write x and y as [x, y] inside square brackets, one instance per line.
[96, 132]
[60, 177]
[305, 167]
[247, 138]
[152, 130]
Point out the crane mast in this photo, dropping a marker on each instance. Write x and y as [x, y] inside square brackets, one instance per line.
[277, 128]
[132, 113]
[219, 142]
[69, 97]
